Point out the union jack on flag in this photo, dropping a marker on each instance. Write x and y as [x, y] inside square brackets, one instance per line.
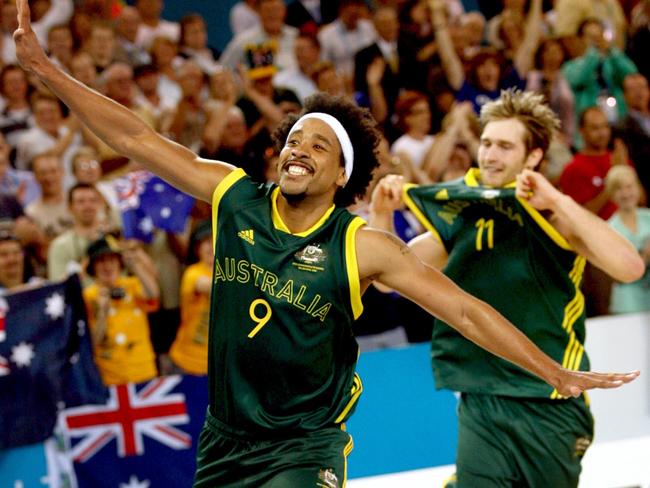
[128, 416]
[144, 435]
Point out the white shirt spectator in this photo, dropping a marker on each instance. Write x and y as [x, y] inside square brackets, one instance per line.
[242, 18]
[415, 149]
[339, 45]
[165, 28]
[284, 57]
[296, 81]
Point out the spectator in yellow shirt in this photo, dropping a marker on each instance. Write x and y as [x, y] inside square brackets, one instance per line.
[189, 352]
[117, 311]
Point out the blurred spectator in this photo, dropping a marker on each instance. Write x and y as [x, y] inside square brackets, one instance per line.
[87, 169]
[416, 44]
[243, 16]
[473, 25]
[344, 37]
[382, 94]
[16, 115]
[164, 58]
[513, 11]
[596, 77]
[49, 212]
[51, 133]
[271, 31]
[101, 45]
[67, 251]
[329, 80]
[414, 121]
[83, 69]
[147, 78]
[634, 129]
[152, 25]
[634, 224]
[14, 271]
[299, 80]
[126, 31]
[487, 74]
[455, 146]
[194, 43]
[14, 182]
[60, 45]
[58, 12]
[117, 307]
[584, 178]
[186, 122]
[309, 15]
[639, 41]
[547, 78]
[639, 17]
[189, 352]
[570, 14]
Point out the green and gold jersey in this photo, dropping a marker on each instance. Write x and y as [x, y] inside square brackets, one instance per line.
[506, 253]
[281, 354]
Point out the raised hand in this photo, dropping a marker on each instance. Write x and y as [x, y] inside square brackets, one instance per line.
[534, 188]
[387, 195]
[29, 52]
[574, 383]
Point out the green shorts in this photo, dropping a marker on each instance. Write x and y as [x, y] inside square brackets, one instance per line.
[513, 442]
[309, 459]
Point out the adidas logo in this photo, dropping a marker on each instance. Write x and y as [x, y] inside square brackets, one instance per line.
[247, 235]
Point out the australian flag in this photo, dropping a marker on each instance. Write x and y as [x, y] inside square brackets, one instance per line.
[144, 436]
[147, 203]
[46, 361]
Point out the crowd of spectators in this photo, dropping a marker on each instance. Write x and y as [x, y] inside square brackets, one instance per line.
[423, 68]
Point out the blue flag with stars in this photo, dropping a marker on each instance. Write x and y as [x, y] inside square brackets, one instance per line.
[46, 361]
[148, 203]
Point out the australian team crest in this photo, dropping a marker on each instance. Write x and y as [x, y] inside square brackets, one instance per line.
[311, 258]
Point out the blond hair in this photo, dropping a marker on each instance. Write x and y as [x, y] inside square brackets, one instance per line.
[617, 174]
[529, 108]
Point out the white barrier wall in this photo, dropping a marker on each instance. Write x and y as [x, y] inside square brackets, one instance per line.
[620, 455]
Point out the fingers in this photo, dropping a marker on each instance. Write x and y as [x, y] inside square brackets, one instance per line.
[591, 380]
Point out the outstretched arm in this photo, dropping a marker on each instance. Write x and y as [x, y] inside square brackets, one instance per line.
[525, 53]
[588, 234]
[450, 60]
[117, 126]
[393, 263]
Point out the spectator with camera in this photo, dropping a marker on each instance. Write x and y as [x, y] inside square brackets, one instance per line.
[117, 310]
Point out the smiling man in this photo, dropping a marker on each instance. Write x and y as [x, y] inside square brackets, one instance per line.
[290, 267]
[507, 236]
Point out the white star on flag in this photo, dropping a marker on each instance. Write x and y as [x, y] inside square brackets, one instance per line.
[22, 354]
[134, 482]
[55, 306]
[165, 212]
[179, 198]
[159, 188]
[146, 225]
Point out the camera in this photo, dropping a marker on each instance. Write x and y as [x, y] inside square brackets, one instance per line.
[117, 293]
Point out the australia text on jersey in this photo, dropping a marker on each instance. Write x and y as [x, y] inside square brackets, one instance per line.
[231, 269]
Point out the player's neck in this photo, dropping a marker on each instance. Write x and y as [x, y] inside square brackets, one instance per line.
[301, 215]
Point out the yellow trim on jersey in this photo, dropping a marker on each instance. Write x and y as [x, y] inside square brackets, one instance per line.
[279, 224]
[224, 185]
[346, 452]
[355, 392]
[572, 312]
[546, 226]
[352, 265]
[473, 177]
[418, 213]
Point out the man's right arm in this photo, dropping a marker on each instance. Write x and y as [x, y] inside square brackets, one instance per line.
[117, 126]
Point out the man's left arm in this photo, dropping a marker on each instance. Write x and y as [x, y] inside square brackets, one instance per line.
[385, 258]
[588, 234]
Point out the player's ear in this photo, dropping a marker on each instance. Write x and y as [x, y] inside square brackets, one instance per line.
[534, 158]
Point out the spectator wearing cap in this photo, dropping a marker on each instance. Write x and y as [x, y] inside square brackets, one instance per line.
[189, 352]
[272, 30]
[152, 25]
[117, 311]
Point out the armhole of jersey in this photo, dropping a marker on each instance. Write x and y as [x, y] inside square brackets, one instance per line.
[221, 189]
[418, 213]
[352, 265]
[546, 226]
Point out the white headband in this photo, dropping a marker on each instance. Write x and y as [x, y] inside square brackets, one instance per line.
[341, 135]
